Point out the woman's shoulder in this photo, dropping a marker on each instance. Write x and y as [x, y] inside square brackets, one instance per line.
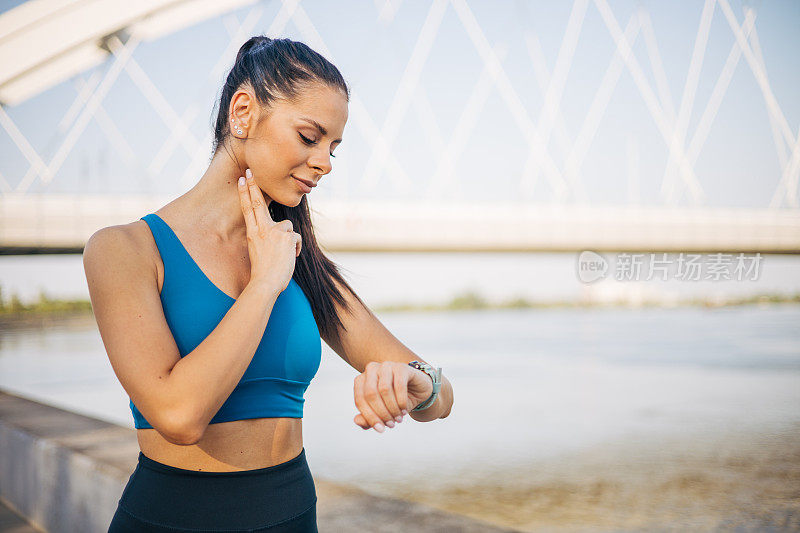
[133, 234]
[132, 243]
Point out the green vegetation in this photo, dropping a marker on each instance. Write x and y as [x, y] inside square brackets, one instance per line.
[467, 300]
[470, 300]
[43, 305]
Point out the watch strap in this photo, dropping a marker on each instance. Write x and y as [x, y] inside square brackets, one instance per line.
[436, 377]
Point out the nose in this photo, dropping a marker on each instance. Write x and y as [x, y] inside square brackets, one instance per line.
[321, 163]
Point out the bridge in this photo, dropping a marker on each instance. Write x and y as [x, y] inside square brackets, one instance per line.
[61, 224]
[48, 206]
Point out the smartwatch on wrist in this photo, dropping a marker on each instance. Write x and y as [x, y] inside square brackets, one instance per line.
[435, 375]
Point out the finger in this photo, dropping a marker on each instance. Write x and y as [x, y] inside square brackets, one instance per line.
[401, 377]
[386, 388]
[262, 215]
[365, 411]
[374, 396]
[285, 225]
[299, 244]
[363, 405]
[361, 421]
[247, 208]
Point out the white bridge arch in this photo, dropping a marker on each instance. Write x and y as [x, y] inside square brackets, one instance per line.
[45, 43]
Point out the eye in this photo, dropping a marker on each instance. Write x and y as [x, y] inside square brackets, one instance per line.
[309, 141]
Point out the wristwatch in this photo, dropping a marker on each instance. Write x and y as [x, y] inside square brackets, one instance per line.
[435, 375]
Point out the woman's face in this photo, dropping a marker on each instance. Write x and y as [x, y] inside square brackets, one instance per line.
[284, 143]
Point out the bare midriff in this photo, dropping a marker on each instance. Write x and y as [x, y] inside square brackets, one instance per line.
[229, 446]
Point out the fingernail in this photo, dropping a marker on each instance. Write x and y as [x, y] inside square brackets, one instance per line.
[399, 418]
[405, 412]
[390, 423]
[241, 180]
[379, 427]
[248, 173]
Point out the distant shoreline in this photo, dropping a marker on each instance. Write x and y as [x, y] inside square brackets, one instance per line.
[48, 310]
[473, 301]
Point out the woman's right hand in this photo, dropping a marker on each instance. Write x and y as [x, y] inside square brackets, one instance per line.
[273, 246]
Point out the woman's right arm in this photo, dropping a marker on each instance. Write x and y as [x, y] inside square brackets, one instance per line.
[178, 396]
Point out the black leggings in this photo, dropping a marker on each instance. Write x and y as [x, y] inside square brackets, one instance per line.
[163, 498]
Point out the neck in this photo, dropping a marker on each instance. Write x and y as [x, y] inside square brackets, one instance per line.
[213, 203]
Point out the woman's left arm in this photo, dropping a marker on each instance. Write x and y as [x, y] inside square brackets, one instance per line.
[386, 384]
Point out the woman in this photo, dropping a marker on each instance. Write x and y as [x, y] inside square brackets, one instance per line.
[212, 309]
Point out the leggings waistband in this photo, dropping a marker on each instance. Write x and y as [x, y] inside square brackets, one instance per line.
[152, 464]
[169, 498]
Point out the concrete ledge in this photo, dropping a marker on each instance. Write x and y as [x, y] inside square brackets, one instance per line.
[66, 472]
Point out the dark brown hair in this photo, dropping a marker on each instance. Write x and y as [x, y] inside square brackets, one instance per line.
[282, 68]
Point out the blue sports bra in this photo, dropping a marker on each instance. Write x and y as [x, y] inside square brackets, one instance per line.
[288, 355]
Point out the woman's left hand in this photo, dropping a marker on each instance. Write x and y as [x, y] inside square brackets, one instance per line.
[387, 388]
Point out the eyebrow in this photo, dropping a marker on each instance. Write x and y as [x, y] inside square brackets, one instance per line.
[319, 126]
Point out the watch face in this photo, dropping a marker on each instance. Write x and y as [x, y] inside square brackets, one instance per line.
[434, 373]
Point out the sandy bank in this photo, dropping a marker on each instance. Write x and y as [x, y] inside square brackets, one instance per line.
[742, 482]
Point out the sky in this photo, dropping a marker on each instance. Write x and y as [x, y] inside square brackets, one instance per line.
[625, 162]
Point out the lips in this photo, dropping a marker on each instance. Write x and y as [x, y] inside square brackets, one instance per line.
[306, 185]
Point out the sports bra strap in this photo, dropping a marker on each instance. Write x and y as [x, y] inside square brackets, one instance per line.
[173, 253]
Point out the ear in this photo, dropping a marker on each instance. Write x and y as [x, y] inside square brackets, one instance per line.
[243, 107]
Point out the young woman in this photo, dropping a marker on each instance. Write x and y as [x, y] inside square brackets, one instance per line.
[212, 310]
